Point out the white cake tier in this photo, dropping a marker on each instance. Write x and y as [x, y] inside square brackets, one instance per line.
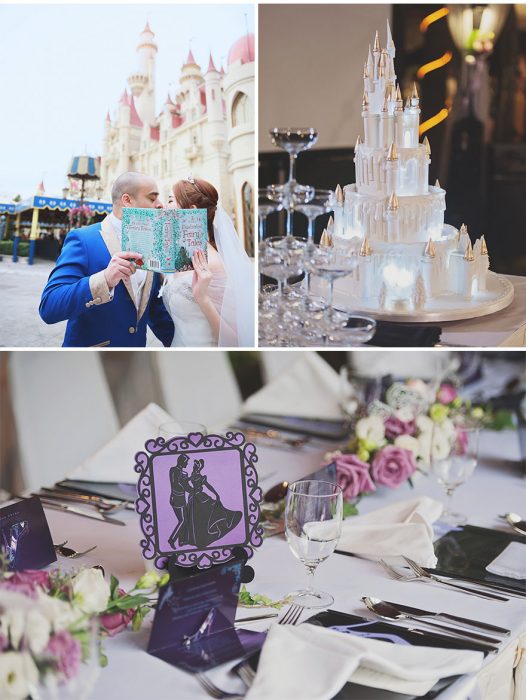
[407, 175]
[417, 219]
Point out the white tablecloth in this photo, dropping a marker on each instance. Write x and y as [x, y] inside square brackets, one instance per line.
[496, 487]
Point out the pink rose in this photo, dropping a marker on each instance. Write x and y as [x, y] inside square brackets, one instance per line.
[353, 476]
[26, 582]
[392, 466]
[66, 653]
[394, 427]
[462, 441]
[116, 622]
[446, 394]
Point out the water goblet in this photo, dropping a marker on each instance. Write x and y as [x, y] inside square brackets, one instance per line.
[313, 524]
[454, 456]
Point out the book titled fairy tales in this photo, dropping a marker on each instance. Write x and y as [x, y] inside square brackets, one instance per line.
[166, 238]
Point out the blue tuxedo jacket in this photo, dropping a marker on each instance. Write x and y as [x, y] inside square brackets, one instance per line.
[77, 291]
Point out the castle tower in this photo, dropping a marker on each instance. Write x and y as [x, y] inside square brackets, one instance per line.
[190, 80]
[123, 127]
[142, 81]
[393, 228]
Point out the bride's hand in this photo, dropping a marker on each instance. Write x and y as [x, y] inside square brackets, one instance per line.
[201, 278]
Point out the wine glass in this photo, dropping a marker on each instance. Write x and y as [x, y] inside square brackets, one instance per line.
[293, 140]
[454, 456]
[313, 524]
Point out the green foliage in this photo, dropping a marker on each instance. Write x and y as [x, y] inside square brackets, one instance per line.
[255, 599]
[349, 509]
[6, 248]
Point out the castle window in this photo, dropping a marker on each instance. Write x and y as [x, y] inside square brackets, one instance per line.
[213, 94]
[240, 110]
[248, 217]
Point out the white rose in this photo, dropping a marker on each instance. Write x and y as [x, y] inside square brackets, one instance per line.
[91, 592]
[440, 447]
[58, 613]
[448, 428]
[371, 429]
[405, 413]
[37, 631]
[407, 442]
[15, 623]
[424, 424]
[18, 675]
[424, 442]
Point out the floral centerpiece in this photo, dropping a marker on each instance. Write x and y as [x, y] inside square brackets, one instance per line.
[46, 619]
[80, 216]
[398, 437]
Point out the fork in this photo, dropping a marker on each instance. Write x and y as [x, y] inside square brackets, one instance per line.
[212, 689]
[397, 576]
[292, 616]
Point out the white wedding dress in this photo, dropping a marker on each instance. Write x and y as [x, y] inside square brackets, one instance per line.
[191, 326]
[231, 292]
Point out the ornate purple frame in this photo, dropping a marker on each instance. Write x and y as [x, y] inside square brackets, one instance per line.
[146, 507]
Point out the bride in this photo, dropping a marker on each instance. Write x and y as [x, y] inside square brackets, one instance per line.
[213, 305]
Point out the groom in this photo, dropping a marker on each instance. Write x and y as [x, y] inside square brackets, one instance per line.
[97, 287]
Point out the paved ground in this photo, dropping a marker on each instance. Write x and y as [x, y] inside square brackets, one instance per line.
[21, 286]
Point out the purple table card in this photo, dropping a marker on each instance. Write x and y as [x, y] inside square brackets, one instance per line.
[193, 627]
[198, 499]
[25, 539]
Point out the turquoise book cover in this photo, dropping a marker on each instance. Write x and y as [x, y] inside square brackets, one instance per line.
[166, 238]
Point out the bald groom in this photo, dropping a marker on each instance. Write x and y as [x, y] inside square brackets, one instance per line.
[97, 287]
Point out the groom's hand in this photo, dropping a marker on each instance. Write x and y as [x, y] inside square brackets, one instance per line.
[121, 267]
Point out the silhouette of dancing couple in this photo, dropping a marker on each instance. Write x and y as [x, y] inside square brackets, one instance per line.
[201, 517]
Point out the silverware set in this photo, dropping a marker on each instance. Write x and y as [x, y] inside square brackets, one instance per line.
[83, 505]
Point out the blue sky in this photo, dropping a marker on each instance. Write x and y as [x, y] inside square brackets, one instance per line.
[63, 66]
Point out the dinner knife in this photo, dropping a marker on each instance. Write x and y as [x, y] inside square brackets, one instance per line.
[502, 587]
[417, 612]
[51, 494]
[94, 515]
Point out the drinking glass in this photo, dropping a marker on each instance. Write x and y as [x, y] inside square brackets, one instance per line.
[293, 140]
[331, 264]
[313, 524]
[454, 456]
[179, 428]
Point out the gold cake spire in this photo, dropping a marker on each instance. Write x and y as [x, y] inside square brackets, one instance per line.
[392, 205]
[414, 95]
[437, 183]
[326, 239]
[338, 193]
[330, 224]
[427, 146]
[468, 255]
[483, 246]
[430, 250]
[365, 249]
[358, 142]
[392, 154]
[376, 47]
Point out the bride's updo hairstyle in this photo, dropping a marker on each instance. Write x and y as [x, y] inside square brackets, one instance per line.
[200, 194]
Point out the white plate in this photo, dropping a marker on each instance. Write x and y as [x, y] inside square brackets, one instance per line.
[498, 296]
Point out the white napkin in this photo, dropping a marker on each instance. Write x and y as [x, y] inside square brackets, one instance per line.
[309, 388]
[115, 461]
[402, 528]
[511, 562]
[314, 663]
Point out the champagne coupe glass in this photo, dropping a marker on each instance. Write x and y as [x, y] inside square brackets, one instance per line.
[356, 330]
[317, 206]
[266, 206]
[454, 456]
[293, 140]
[292, 251]
[313, 524]
[331, 263]
[289, 196]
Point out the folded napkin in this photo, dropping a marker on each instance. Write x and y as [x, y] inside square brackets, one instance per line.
[405, 335]
[114, 462]
[309, 388]
[403, 528]
[511, 562]
[314, 663]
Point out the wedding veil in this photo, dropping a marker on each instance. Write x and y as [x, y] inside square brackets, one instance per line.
[237, 327]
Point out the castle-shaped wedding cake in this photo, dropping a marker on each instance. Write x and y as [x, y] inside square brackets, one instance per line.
[392, 219]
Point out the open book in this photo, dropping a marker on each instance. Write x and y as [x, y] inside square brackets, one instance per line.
[166, 238]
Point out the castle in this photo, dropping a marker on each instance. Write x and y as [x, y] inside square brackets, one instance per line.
[391, 217]
[206, 129]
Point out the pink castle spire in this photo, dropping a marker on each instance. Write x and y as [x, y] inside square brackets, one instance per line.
[211, 66]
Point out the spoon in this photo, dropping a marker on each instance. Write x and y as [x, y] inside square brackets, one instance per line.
[388, 612]
[276, 493]
[71, 553]
[516, 522]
